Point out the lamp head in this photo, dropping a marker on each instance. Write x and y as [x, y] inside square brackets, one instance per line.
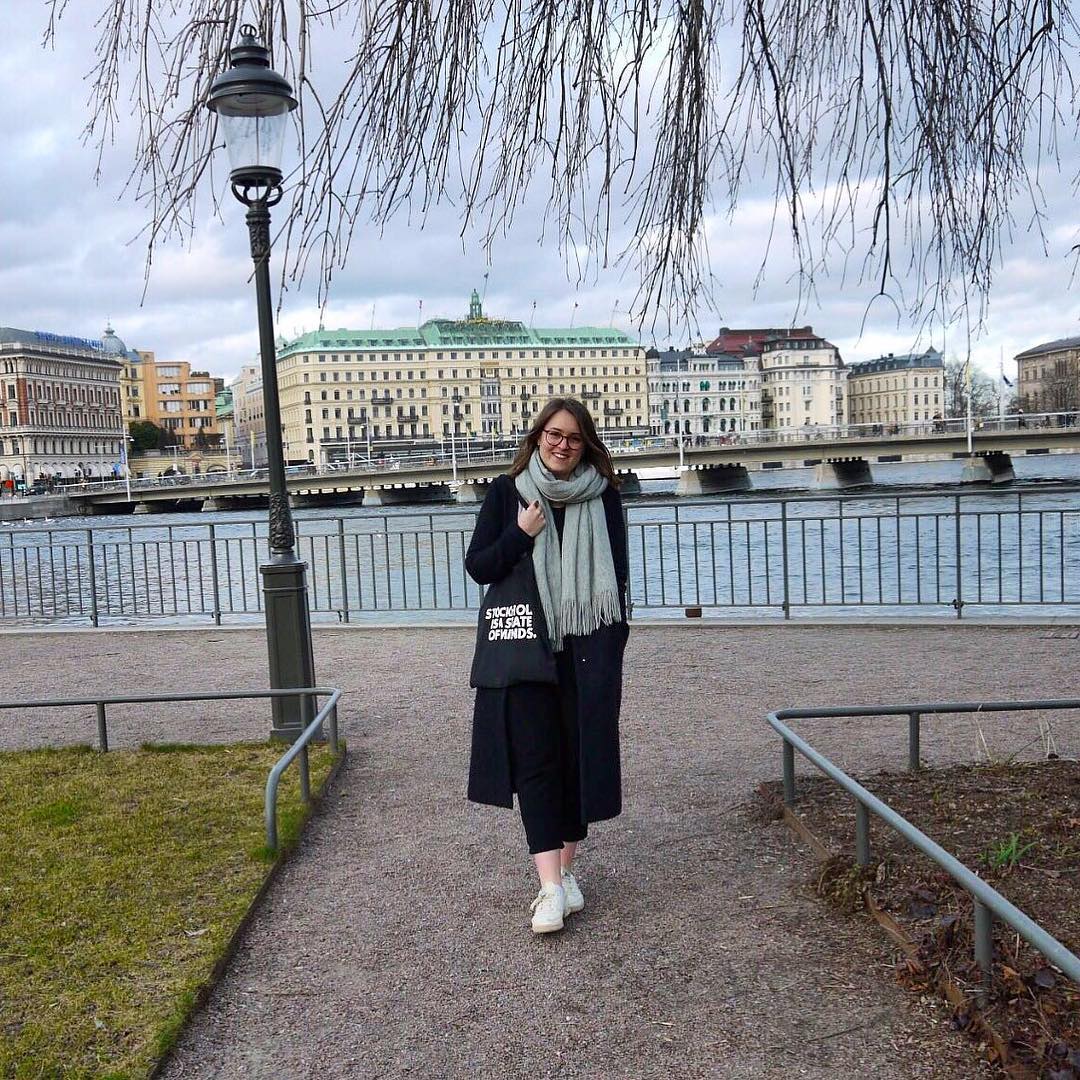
[253, 102]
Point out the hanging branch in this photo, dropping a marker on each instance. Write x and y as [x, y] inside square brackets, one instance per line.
[907, 134]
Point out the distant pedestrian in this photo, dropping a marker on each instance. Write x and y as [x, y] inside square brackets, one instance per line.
[551, 542]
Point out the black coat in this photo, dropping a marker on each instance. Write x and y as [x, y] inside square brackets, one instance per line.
[497, 544]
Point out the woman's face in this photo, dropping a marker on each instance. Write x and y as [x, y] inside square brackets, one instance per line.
[561, 444]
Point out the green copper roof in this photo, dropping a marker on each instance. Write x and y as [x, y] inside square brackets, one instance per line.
[458, 333]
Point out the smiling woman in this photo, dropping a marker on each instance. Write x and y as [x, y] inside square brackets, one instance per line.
[554, 523]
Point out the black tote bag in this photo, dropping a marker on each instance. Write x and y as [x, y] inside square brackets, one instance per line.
[512, 644]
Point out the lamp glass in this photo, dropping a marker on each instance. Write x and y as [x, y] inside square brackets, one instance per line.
[254, 141]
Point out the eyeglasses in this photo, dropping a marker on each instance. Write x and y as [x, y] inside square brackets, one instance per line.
[552, 436]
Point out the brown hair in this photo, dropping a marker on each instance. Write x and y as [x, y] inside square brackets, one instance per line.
[594, 451]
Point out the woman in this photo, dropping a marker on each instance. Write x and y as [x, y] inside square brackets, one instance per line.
[557, 745]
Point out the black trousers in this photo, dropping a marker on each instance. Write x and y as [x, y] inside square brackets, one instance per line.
[542, 728]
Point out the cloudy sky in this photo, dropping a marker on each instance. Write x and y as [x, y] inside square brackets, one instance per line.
[73, 256]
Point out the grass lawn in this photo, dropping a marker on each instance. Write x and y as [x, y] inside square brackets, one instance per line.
[122, 879]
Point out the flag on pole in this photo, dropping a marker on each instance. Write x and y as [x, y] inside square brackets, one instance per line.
[1005, 379]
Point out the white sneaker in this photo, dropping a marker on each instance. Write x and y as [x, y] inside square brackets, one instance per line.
[574, 899]
[548, 909]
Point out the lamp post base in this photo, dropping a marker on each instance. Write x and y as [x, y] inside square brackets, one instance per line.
[288, 638]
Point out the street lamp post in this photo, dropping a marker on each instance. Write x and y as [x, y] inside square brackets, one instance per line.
[126, 451]
[456, 399]
[523, 397]
[228, 452]
[664, 414]
[253, 102]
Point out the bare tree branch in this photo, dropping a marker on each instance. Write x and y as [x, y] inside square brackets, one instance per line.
[905, 133]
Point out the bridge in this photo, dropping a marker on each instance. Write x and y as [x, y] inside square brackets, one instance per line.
[840, 458]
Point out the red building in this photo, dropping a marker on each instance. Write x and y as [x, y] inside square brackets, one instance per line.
[750, 341]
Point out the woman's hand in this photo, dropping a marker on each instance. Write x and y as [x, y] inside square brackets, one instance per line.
[530, 519]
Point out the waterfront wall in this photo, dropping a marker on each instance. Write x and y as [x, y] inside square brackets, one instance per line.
[38, 508]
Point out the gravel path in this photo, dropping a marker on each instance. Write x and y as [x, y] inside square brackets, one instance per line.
[396, 941]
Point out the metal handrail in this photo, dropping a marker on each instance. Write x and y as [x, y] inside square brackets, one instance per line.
[988, 902]
[327, 714]
[923, 551]
[299, 748]
[698, 504]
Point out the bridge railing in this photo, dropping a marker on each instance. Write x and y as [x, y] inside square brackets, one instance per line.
[468, 454]
[925, 554]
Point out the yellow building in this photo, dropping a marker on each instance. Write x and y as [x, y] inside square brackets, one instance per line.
[474, 378]
[897, 389]
[172, 396]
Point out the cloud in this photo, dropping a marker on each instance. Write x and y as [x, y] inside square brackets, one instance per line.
[73, 255]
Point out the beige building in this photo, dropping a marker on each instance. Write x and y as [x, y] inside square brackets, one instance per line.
[172, 396]
[1048, 377]
[60, 413]
[249, 419]
[803, 381]
[472, 378]
[698, 394]
[897, 389]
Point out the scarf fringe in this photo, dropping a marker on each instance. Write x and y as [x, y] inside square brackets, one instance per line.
[580, 618]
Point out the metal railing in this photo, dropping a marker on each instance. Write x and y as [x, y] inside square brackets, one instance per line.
[299, 749]
[988, 902]
[924, 553]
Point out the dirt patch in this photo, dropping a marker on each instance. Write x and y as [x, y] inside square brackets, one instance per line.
[1018, 827]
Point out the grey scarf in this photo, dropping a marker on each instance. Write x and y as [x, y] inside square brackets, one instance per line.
[576, 579]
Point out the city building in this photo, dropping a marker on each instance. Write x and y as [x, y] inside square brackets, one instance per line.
[131, 386]
[223, 410]
[1048, 377]
[170, 395]
[60, 410]
[897, 389]
[803, 381]
[701, 395]
[249, 419]
[748, 342]
[475, 378]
